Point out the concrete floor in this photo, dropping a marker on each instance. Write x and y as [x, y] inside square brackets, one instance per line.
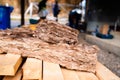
[109, 53]
[111, 45]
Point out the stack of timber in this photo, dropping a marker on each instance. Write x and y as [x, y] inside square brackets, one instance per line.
[53, 42]
[50, 51]
[34, 69]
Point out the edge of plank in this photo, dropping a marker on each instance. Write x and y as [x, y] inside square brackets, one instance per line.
[104, 73]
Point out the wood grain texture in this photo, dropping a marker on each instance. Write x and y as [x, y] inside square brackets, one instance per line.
[9, 64]
[69, 74]
[52, 71]
[32, 69]
[17, 76]
[104, 73]
[86, 76]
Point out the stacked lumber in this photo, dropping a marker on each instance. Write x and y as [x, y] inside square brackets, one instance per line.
[9, 64]
[53, 42]
[32, 69]
[35, 69]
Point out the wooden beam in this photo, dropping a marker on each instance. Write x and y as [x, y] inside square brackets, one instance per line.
[9, 64]
[52, 71]
[86, 76]
[17, 76]
[104, 73]
[2, 56]
[32, 69]
[69, 74]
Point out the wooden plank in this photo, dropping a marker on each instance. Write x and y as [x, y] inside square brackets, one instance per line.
[52, 71]
[69, 74]
[9, 64]
[17, 76]
[104, 73]
[2, 56]
[32, 69]
[86, 76]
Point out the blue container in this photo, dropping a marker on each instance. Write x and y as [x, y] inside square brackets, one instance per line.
[33, 21]
[5, 17]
